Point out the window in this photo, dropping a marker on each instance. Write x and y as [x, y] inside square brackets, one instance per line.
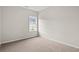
[32, 23]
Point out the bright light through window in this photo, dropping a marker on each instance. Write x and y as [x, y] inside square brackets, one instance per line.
[32, 23]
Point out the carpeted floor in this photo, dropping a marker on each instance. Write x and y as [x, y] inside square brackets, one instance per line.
[37, 44]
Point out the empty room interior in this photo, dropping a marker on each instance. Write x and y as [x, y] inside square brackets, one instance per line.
[39, 28]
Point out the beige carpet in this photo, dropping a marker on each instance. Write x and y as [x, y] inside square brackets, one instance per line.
[37, 44]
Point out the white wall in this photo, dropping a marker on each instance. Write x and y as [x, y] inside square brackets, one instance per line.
[0, 24]
[60, 24]
[15, 23]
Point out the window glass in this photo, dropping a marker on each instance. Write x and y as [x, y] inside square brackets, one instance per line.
[32, 23]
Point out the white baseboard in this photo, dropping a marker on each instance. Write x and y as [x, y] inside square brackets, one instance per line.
[10, 41]
[17, 40]
[65, 43]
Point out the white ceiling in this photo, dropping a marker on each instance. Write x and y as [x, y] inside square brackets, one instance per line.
[36, 8]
